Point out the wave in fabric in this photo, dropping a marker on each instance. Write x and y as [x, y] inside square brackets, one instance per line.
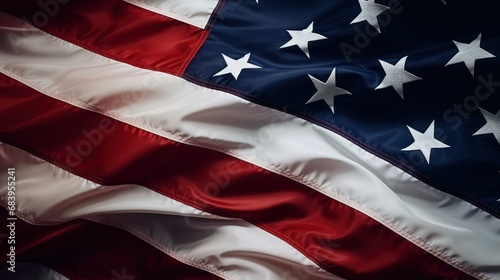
[161, 124]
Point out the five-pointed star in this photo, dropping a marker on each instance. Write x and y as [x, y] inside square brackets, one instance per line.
[301, 38]
[326, 90]
[396, 76]
[492, 124]
[424, 142]
[369, 12]
[235, 66]
[469, 53]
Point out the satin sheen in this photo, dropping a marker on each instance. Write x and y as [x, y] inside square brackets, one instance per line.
[71, 248]
[117, 30]
[50, 195]
[436, 221]
[297, 214]
[135, 152]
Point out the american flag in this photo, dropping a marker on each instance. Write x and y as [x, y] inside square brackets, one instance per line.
[243, 139]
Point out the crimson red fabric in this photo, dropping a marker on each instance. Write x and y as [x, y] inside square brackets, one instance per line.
[340, 239]
[116, 29]
[82, 249]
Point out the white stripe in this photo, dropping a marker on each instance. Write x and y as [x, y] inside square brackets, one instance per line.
[46, 193]
[194, 12]
[452, 229]
[31, 271]
[230, 248]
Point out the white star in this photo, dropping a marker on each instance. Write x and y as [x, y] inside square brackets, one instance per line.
[326, 90]
[369, 12]
[396, 76]
[301, 38]
[469, 53]
[424, 142]
[492, 124]
[235, 66]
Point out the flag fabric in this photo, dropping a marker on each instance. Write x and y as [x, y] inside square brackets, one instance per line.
[242, 139]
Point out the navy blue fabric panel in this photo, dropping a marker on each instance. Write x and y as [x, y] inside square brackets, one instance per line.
[376, 120]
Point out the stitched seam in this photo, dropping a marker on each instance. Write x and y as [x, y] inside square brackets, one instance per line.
[165, 249]
[389, 158]
[202, 38]
[455, 263]
[166, 13]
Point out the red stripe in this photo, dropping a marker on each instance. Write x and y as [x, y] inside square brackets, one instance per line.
[337, 237]
[117, 30]
[86, 250]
